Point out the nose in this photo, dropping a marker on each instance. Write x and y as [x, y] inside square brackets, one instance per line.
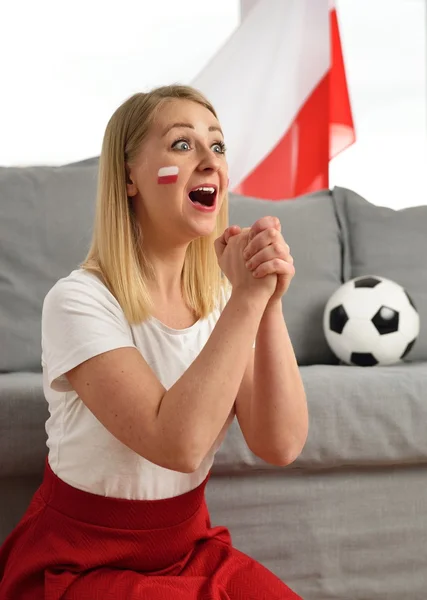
[209, 160]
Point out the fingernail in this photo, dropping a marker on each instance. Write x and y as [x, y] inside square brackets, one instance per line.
[248, 264]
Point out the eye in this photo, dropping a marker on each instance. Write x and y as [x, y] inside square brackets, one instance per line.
[181, 144]
[219, 147]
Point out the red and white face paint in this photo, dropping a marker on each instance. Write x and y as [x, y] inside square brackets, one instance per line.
[167, 175]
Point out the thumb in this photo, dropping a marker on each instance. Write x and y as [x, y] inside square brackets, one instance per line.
[221, 242]
[230, 232]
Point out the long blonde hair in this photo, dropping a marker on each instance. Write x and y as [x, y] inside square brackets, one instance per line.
[116, 253]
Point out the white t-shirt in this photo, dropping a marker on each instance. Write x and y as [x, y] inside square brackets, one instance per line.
[82, 319]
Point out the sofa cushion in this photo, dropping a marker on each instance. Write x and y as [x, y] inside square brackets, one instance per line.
[87, 162]
[46, 216]
[310, 227]
[390, 243]
[23, 414]
[359, 416]
[353, 534]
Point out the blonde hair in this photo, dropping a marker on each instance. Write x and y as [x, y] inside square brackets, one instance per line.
[116, 253]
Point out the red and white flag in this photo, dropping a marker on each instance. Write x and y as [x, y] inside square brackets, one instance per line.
[279, 87]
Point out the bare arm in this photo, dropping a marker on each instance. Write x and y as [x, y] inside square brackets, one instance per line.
[176, 428]
[173, 428]
[271, 405]
[198, 405]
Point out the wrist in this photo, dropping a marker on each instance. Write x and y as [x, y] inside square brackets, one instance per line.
[273, 308]
[256, 302]
[274, 305]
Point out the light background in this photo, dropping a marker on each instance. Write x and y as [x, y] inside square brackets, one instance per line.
[67, 66]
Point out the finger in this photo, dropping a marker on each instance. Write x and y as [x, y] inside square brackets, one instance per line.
[222, 241]
[220, 244]
[275, 250]
[226, 238]
[245, 231]
[265, 223]
[276, 265]
[241, 237]
[230, 232]
[264, 239]
[283, 282]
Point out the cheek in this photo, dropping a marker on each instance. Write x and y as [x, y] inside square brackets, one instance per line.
[167, 175]
[225, 181]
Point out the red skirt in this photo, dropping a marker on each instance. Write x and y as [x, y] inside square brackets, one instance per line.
[73, 545]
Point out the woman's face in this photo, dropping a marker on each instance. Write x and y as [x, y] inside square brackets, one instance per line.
[179, 178]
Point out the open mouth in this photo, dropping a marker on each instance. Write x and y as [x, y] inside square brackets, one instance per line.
[204, 195]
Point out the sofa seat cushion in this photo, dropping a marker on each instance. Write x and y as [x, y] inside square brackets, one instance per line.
[23, 414]
[358, 417]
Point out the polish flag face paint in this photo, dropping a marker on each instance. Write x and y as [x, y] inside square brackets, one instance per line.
[167, 175]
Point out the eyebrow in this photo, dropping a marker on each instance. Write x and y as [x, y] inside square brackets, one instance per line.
[189, 126]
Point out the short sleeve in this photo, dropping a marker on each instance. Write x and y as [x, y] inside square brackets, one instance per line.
[80, 320]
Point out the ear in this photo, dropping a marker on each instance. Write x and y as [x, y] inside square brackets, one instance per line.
[131, 187]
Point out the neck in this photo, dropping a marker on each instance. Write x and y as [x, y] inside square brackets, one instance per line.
[167, 264]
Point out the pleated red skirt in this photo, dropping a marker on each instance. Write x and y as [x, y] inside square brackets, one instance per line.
[73, 545]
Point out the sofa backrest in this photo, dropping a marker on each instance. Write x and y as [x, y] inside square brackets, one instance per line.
[46, 219]
[310, 227]
[390, 243]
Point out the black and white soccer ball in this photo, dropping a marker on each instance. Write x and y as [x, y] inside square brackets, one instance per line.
[371, 321]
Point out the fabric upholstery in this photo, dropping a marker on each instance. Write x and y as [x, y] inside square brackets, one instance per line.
[389, 243]
[358, 416]
[310, 227]
[46, 216]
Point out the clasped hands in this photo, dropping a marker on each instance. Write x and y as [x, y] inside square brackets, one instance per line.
[264, 252]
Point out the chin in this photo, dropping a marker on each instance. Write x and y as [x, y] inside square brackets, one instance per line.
[203, 232]
[199, 230]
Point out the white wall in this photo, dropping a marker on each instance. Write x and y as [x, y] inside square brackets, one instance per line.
[384, 45]
[70, 64]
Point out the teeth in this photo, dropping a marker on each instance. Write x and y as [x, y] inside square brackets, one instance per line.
[210, 190]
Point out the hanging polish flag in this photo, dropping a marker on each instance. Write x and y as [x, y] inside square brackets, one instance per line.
[279, 87]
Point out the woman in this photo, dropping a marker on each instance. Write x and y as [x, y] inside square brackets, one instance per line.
[147, 356]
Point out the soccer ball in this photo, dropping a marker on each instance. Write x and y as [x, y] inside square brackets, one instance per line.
[371, 321]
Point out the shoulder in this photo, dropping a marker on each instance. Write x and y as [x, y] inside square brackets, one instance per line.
[79, 287]
[80, 319]
[78, 281]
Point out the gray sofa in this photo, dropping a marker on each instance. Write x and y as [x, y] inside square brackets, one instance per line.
[347, 520]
